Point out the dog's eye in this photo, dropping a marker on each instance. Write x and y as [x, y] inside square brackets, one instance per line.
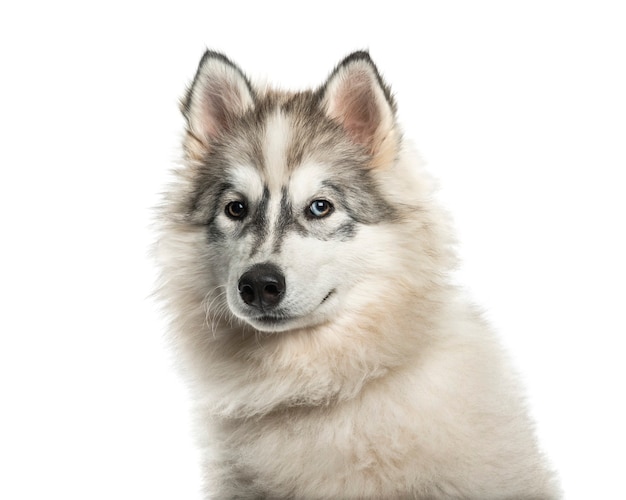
[236, 210]
[320, 208]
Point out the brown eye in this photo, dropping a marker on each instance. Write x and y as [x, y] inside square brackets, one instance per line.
[320, 208]
[236, 210]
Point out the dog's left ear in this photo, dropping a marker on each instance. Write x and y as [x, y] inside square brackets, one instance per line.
[356, 96]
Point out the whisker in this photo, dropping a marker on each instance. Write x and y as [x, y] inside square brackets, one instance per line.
[213, 312]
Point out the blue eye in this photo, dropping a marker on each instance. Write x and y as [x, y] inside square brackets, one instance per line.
[320, 208]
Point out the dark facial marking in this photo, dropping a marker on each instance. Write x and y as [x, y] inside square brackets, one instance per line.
[361, 200]
[259, 223]
[286, 220]
[344, 232]
[214, 233]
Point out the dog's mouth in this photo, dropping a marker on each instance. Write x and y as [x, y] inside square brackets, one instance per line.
[272, 318]
[279, 320]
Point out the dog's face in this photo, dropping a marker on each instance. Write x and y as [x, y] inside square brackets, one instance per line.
[285, 192]
[278, 241]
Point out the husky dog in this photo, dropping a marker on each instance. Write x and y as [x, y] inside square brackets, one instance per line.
[306, 270]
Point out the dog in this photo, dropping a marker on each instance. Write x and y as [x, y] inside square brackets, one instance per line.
[305, 268]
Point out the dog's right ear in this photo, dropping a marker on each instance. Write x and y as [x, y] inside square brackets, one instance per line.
[219, 94]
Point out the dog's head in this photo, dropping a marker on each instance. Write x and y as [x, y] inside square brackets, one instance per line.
[288, 209]
[284, 188]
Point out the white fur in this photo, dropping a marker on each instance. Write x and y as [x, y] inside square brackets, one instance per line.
[277, 137]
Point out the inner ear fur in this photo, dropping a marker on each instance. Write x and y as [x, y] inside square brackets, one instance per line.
[356, 97]
[219, 93]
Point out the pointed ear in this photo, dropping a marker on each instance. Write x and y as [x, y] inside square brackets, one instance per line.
[220, 93]
[356, 96]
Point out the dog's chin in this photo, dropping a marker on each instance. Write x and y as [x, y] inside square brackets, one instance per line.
[272, 324]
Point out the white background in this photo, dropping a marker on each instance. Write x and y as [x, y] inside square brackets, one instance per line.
[518, 107]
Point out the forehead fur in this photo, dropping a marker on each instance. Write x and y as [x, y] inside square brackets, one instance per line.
[292, 122]
[281, 133]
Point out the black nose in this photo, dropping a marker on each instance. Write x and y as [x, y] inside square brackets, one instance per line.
[262, 286]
